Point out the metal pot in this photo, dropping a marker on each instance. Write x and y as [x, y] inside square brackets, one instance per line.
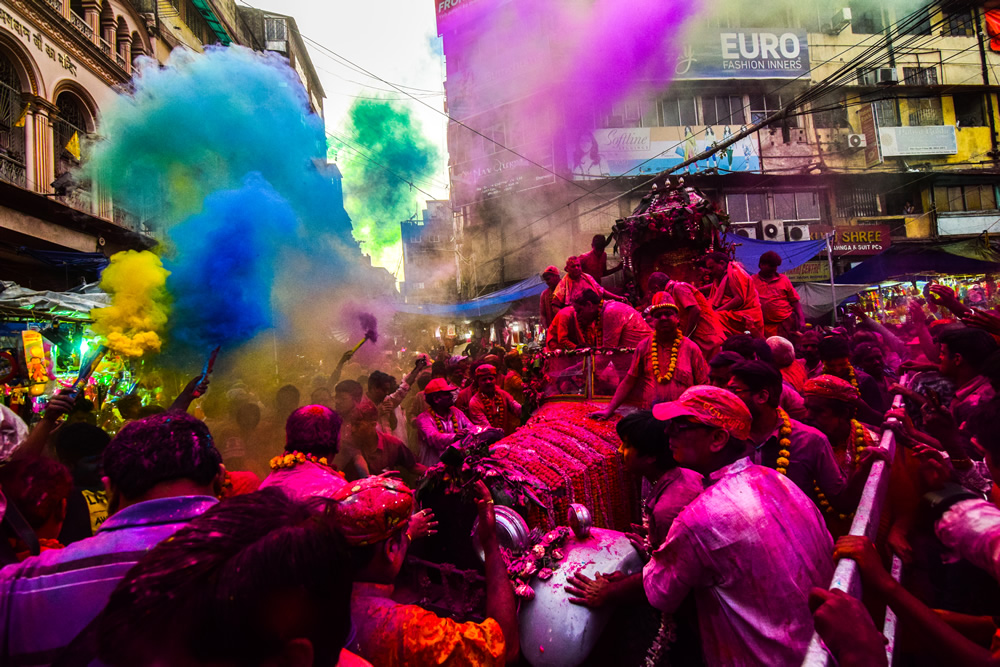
[556, 632]
[512, 531]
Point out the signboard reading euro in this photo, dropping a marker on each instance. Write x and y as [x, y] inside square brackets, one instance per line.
[751, 53]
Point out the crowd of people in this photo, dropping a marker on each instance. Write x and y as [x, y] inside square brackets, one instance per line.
[236, 531]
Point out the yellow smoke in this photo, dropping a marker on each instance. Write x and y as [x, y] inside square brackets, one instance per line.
[138, 311]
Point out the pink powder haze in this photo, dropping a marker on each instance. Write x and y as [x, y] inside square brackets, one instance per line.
[556, 62]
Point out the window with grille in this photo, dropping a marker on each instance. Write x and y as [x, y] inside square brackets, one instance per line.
[920, 76]
[958, 198]
[925, 111]
[625, 114]
[69, 131]
[856, 202]
[969, 110]
[679, 111]
[723, 110]
[275, 29]
[747, 207]
[796, 205]
[886, 113]
[12, 137]
[959, 23]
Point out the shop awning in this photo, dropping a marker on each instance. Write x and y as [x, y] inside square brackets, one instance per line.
[76, 304]
[793, 253]
[486, 307]
[899, 262]
[213, 22]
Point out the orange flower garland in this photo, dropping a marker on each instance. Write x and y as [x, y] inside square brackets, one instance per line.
[440, 423]
[860, 442]
[496, 410]
[784, 442]
[292, 459]
[852, 376]
[674, 353]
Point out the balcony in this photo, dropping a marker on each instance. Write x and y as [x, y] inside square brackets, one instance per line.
[106, 48]
[121, 62]
[901, 226]
[81, 25]
[56, 5]
[13, 170]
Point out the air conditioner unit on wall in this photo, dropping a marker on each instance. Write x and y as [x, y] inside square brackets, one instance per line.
[796, 232]
[840, 20]
[857, 140]
[748, 230]
[774, 230]
[886, 76]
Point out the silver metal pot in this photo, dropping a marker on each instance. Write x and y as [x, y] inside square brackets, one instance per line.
[557, 632]
[512, 531]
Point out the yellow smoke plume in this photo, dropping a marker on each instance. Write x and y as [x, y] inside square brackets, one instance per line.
[132, 324]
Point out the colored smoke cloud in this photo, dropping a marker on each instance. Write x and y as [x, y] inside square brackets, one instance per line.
[392, 141]
[223, 283]
[222, 150]
[132, 324]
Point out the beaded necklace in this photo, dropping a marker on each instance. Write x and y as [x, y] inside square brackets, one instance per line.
[860, 442]
[440, 423]
[674, 353]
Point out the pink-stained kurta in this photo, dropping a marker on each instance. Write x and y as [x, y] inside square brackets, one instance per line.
[568, 289]
[777, 302]
[434, 440]
[747, 315]
[749, 547]
[306, 480]
[691, 369]
[480, 416]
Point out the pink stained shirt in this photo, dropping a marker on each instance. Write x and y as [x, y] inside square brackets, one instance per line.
[691, 369]
[479, 415]
[568, 289]
[669, 496]
[709, 334]
[777, 297]
[972, 529]
[749, 547]
[434, 440]
[306, 480]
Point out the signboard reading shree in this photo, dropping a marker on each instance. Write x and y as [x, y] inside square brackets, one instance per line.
[855, 239]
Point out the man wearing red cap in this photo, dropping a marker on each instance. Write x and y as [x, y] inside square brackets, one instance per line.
[749, 547]
[373, 515]
[442, 425]
[492, 407]
[664, 364]
[545, 306]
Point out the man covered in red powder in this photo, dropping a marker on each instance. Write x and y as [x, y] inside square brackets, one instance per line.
[733, 296]
[595, 262]
[491, 406]
[546, 308]
[575, 282]
[779, 301]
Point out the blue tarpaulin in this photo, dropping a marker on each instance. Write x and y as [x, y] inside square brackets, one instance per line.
[793, 253]
[489, 306]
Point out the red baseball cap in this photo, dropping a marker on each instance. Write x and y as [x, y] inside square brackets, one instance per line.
[437, 385]
[711, 406]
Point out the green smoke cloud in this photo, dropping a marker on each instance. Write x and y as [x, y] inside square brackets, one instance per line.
[375, 194]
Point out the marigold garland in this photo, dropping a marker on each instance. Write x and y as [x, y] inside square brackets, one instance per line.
[851, 375]
[496, 410]
[440, 423]
[784, 442]
[674, 353]
[292, 459]
[860, 442]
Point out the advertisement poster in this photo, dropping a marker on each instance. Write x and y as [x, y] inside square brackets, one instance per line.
[647, 150]
[745, 53]
[502, 173]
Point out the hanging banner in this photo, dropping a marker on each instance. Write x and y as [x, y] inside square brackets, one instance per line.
[745, 53]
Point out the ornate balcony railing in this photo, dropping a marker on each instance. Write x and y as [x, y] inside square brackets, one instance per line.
[13, 170]
[56, 5]
[80, 24]
[106, 48]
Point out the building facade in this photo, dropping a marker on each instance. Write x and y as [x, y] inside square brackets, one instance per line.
[61, 62]
[429, 258]
[903, 149]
